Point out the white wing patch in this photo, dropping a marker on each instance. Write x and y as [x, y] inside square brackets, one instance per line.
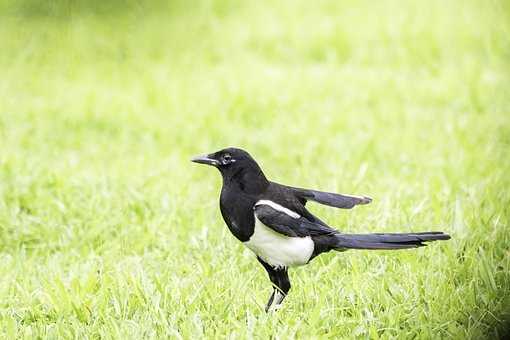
[278, 207]
[277, 249]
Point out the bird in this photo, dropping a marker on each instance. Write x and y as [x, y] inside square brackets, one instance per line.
[272, 221]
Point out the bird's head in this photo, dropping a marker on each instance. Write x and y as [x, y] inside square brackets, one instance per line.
[233, 164]
[227, 160]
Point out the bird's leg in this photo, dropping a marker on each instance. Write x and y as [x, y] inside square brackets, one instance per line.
[280, 291]
[281, 286]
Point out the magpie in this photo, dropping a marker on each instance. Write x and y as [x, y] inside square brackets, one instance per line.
[272, 221]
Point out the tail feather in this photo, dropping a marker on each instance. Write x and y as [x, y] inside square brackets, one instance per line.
[387, 241]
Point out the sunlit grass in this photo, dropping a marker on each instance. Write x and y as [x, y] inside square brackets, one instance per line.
[107, 230]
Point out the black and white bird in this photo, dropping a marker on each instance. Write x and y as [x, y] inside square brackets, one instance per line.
[272, 221]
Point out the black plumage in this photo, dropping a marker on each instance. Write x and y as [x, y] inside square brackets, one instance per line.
[272, 220]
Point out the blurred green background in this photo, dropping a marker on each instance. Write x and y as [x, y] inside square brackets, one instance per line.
[108, 231]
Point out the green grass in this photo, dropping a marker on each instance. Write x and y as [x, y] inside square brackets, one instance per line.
[108, 231]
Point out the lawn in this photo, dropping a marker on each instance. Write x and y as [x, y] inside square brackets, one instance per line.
[107, 230]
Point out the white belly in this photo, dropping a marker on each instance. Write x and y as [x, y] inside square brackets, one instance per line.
[279, 250]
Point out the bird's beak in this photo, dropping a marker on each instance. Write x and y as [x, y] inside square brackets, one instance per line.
[205, 159]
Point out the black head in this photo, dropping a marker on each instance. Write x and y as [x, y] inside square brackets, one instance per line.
[234, 164]
[228, 160]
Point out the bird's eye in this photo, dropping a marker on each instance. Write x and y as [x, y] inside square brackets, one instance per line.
[227, 158]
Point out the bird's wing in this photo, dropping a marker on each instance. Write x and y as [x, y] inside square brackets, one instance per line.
[287, 222]
[342, 201]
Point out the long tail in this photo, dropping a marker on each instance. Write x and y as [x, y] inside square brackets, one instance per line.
[386, 241]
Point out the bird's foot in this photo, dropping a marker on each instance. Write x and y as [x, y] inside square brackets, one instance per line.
[275, 301]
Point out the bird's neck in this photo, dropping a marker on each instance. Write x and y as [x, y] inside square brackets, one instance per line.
[251, 181]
